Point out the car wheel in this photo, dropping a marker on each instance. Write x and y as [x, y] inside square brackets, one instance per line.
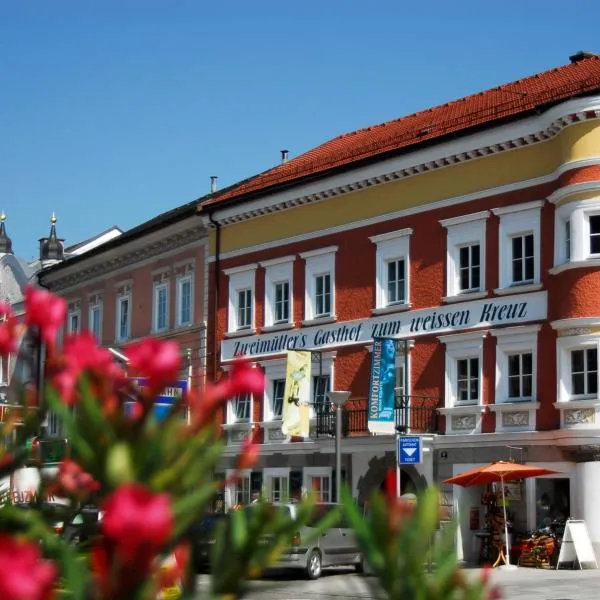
[313, 565]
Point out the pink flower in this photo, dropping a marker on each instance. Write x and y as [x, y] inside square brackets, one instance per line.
[137, 523]
[9, 330]
[245, 379]
[157, 361]
[24, 575]
[249, 453]
[75, 481]
[82, 352]
[45, 311]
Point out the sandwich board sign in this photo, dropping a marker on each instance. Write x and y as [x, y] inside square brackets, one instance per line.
[410, 450]
[576, 546]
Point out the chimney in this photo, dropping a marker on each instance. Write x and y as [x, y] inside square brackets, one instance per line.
[284, 156]
[582, 55]
[213, 184]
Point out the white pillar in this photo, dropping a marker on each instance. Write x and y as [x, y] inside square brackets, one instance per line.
[587, 492]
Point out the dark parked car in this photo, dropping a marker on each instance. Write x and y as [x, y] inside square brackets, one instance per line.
[204, 535]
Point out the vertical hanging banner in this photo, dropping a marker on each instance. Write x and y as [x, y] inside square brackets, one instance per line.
[382, 387]
[296, 400]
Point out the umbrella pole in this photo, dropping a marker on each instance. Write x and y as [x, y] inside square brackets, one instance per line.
[506, 541]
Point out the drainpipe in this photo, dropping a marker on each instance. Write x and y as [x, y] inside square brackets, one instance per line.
[216, 287]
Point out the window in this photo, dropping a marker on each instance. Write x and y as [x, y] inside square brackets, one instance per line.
[594, 234]
[319, 300]
[519, 252]
[464, 358]
[54, 428]
[277, 484]
[96, 320]
[568, 240]
[469, 268]
[321, 385]
[522, 259]
[465, 260]
[516, 355]
[392, 269]
[278, 291]
[240, 408]
[123, 317]
[584, 372]
[244, 309]
[74, 321]
[277, 398]
[323, 295]
[184, 301]
[467, 380]
[161, 307]
[241, 298]
[239, 492]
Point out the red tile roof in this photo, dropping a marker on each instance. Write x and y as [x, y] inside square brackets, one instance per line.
[510, 100]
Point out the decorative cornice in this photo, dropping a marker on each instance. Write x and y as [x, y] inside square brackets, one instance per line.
[544, 135]
[172, 242]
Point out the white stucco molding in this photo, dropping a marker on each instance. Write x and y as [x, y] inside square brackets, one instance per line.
[576, 323]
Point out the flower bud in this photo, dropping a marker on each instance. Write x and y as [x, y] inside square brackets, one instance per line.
[119, 465]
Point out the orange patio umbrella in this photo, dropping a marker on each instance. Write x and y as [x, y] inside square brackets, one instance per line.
[499, 471]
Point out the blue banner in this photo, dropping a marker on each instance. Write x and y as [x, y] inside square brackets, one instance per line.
[382, 386]
[164, 401]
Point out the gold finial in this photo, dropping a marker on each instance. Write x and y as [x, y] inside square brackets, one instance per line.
[2, 217]
[53, 218]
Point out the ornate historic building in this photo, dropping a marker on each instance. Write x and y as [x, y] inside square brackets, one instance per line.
[470, 231]
[150, 280]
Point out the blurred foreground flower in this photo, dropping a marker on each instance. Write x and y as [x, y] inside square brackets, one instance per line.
[157, 361]
[45, 311]
[23, 573]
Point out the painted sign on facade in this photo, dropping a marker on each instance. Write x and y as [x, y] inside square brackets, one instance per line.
[164, 401]
[489, 312]
[296, 399]
[382, 386]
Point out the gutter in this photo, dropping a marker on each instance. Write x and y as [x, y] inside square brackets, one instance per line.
[216, 280]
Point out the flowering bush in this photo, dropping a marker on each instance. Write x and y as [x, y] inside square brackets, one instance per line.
[153, 479]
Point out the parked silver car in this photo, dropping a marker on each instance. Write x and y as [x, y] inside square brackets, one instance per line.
[312, 553]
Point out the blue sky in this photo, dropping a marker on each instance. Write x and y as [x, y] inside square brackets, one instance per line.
[114, 111]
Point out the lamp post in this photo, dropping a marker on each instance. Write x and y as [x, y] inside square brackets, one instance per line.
[338, 399]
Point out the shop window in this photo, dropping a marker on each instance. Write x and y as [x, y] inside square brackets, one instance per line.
[552, 502]
[319, 299]
[241, 298]
[278, 290]
[392, 269]
[465, 259]
[240, 492]
[277, 484]
[584, 372]
[317, 482]
[519, 248]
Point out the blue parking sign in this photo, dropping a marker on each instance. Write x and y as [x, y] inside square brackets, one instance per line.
[410, 451]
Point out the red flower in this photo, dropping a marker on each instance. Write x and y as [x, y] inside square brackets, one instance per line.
[137, 523]
[75, 481]
[157, 361]
[245, 379]
[82, 352]
[9, 330]
[24, 575]
[249, 453]
[45, 311]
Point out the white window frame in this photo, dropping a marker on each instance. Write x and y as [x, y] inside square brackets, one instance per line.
[511, 341]
[459, 347]
[463, 231]
[272, 473]
[515, 221]
[74, 313]
[158, 288]
[232, 418]
[278, 270]
[96, 306]
[274, 370]
[241, 278]
[183, 279]
[120, 298]
[318, 262]
[392, 246]
[564, 347]
[309, 472]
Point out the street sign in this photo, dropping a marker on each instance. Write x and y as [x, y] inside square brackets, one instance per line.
[410, 450]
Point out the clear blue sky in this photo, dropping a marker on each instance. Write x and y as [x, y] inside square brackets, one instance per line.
[114, 111]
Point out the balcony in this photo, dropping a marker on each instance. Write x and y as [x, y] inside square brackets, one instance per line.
[418, 416]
